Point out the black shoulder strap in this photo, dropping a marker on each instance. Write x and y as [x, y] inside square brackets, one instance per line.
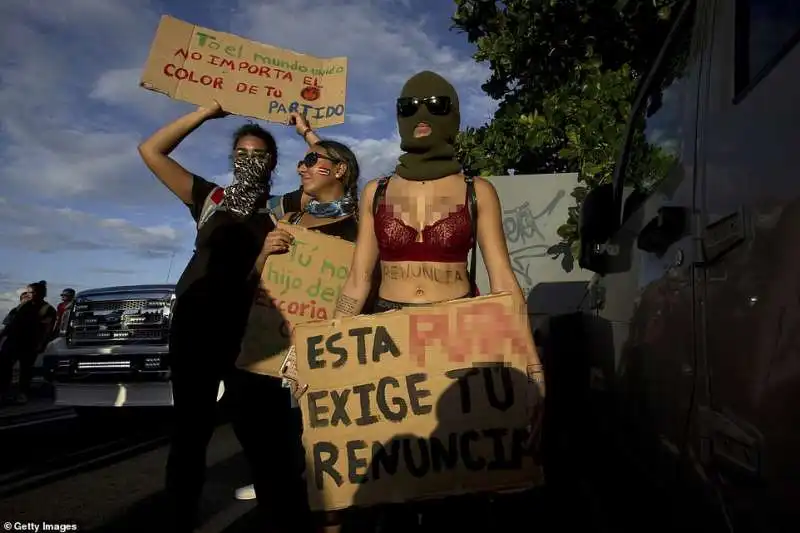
[380, 192]
[295, 217]
[472, 205]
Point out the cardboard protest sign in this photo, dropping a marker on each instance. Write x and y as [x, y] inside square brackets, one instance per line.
[300, 285]
[415, 404]
[200, 65]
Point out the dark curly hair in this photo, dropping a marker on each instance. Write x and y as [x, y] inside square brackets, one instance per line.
[252, 129]
[39, 289]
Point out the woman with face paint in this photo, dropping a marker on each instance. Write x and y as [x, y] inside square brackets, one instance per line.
[421, 223]
[329, 173]
[214, 293]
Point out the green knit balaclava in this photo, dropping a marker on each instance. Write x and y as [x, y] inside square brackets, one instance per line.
[433, 156]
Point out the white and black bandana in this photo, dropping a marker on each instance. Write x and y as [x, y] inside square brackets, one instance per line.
[250, 181]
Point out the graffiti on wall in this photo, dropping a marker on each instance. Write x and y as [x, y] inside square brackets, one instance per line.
[526, 242]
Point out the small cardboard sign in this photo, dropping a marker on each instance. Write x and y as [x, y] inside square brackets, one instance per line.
[300, 285]
[415, 404]
[200, 65]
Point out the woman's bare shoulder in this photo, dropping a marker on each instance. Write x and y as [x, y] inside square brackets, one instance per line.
[484, 187]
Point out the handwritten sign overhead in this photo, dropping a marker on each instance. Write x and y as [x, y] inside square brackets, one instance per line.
[247, 78]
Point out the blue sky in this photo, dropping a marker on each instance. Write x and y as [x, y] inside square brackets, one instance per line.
[78, 207]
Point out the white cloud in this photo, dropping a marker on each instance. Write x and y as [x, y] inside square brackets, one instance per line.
[376, 157]
[360, 118]
[382, 50]
[121, 87]
[479, 108]
[73, 112]
[56, 134]
[53, 144]
[42, 229]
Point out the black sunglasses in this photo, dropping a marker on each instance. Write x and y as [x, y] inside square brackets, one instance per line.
[437, 105]
[312, 158]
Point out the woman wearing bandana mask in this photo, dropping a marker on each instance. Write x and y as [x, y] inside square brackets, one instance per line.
[418, 223]
[215, 291]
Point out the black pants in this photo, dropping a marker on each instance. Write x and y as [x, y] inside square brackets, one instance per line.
[8, 358]
[196, 374]
[269, 430]
[382, 305]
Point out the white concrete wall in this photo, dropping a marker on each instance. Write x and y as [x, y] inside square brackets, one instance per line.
[534, 206]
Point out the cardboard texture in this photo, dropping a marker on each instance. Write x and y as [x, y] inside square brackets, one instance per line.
[415, 404]
[300, 285]
[200, 65]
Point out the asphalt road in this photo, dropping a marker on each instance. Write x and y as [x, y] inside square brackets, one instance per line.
[50, 473]
[127, 494]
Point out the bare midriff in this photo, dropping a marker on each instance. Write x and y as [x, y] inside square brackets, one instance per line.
[423, 282]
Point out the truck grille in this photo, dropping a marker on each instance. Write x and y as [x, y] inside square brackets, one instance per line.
[124, 305]
[119, 321]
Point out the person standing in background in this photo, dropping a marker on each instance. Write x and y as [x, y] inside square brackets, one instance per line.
[26, 336]
[67, 298]
[24, 296]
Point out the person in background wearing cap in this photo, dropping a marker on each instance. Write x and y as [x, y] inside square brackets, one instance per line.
[67, 298]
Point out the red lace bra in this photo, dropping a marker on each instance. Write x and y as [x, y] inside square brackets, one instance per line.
[448, 240]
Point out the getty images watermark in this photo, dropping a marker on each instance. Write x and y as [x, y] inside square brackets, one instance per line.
[61, 527]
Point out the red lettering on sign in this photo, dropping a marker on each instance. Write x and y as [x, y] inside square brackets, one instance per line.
[221, 62]
[183, 74]
[196, 56]
[242, 87]
[469, 334]
[305, 309]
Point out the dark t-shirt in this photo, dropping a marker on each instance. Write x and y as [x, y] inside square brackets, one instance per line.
[30, 327]
[286, 203]
[292, 201]
[217, 287]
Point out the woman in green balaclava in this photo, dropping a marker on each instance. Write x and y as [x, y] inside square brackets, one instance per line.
[423, 222]
[431, 156]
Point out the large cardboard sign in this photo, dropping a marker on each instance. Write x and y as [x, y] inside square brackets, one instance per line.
[300, 285]
[200, 65]
[415, 404]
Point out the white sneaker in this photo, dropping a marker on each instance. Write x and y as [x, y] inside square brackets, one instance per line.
[248, 492]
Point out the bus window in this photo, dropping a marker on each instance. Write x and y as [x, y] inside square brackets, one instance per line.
[658, 129]
[766, 30]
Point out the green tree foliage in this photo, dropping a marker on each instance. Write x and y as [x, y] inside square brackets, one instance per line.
[565, 73]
